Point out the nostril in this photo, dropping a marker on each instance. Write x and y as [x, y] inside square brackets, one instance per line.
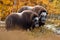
[37, 23]
[43, 20]
[35, 20]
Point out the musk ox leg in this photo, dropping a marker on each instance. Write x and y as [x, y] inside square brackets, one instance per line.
[27, 28]
[33, 27]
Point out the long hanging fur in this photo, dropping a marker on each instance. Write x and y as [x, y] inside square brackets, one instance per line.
[23, 19]
[38, 9]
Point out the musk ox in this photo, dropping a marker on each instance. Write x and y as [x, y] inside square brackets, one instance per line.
[24, 20]
[41, 11]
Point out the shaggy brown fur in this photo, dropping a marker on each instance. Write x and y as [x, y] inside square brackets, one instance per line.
[38, 9]
[24, 19]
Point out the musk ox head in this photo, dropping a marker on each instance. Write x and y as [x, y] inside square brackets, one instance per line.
[43, 17]
[36, 21]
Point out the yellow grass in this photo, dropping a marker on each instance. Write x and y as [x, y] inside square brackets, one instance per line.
[36, 34]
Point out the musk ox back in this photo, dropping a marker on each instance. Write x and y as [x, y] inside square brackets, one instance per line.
[40, 10]
[24, 20]
[25, 8]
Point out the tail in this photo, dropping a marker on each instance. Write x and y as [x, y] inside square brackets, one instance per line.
[9, 23]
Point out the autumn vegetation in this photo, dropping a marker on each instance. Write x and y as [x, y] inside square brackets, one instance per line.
[9, 6]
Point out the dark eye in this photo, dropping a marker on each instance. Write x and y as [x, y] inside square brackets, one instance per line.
[35, 20]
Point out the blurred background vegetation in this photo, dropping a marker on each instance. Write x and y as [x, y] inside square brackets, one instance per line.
[9, 6]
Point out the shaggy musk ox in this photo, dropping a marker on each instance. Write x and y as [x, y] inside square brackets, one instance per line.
[41, 11]
[24, 20]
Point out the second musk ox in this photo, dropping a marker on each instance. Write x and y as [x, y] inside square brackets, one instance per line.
[24, 20]
[40, 10]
